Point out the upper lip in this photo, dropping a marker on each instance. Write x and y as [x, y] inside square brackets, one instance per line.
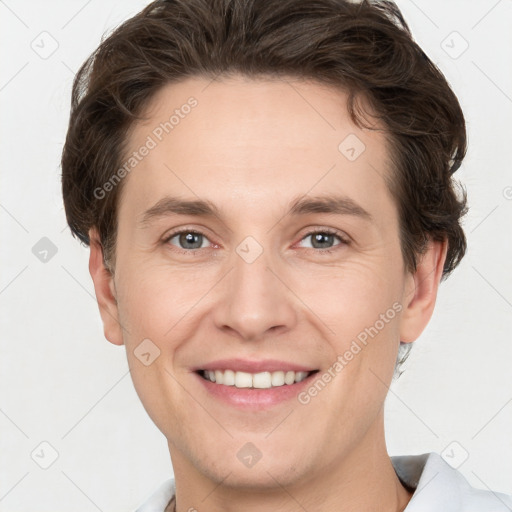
[254, 366]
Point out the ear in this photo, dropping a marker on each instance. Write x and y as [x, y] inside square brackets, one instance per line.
[420, 292]
[105, 290]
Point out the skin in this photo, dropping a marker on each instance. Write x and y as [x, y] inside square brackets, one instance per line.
[251, 148]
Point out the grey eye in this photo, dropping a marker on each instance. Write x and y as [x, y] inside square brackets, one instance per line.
[188, 240]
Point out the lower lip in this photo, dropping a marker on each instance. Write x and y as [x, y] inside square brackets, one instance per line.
[254, 399]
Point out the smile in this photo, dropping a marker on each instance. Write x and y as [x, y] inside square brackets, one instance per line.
[260, 380]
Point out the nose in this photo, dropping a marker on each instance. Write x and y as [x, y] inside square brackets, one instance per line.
[254, 301]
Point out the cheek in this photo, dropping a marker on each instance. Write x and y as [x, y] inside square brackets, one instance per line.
[352, 296]
[156, 299]
[360, 305]
[155, 305]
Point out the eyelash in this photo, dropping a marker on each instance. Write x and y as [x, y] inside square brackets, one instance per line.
[326, 231]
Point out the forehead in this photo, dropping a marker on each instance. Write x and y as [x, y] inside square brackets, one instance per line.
[257, 141]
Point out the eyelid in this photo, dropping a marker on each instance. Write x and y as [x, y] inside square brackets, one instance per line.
[319, 228]
[343, 237]
[185, 229]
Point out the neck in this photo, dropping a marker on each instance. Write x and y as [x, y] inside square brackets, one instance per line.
[361, 479]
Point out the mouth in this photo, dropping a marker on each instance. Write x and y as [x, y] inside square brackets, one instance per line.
[253, 385]
[260, 380]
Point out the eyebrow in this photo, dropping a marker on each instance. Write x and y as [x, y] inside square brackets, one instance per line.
[338, 205]
[304, 205]
[174, 206]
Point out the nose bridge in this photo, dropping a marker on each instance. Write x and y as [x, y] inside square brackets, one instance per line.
[253, 299]
[252, 280]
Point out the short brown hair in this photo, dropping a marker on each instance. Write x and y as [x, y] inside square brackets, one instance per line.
[365, 48]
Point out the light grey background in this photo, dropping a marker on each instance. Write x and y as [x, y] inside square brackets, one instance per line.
[62, 383]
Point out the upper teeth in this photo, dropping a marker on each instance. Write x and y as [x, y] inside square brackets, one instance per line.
[254, 380]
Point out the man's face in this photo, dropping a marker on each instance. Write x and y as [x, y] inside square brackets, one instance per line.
[263, 280]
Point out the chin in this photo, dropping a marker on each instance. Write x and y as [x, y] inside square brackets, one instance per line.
[244, 466]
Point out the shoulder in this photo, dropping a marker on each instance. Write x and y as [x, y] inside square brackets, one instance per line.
[438, 486]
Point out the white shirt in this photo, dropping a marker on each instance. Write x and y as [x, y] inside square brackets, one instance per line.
[438, 488]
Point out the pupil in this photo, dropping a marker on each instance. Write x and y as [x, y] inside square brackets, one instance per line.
[191, 238]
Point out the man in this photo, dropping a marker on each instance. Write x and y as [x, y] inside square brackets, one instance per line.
[266, 189]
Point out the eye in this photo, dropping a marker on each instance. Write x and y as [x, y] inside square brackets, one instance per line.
[324, 240]
[188, 239]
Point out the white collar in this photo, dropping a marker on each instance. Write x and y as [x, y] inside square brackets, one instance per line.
[439, 487]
